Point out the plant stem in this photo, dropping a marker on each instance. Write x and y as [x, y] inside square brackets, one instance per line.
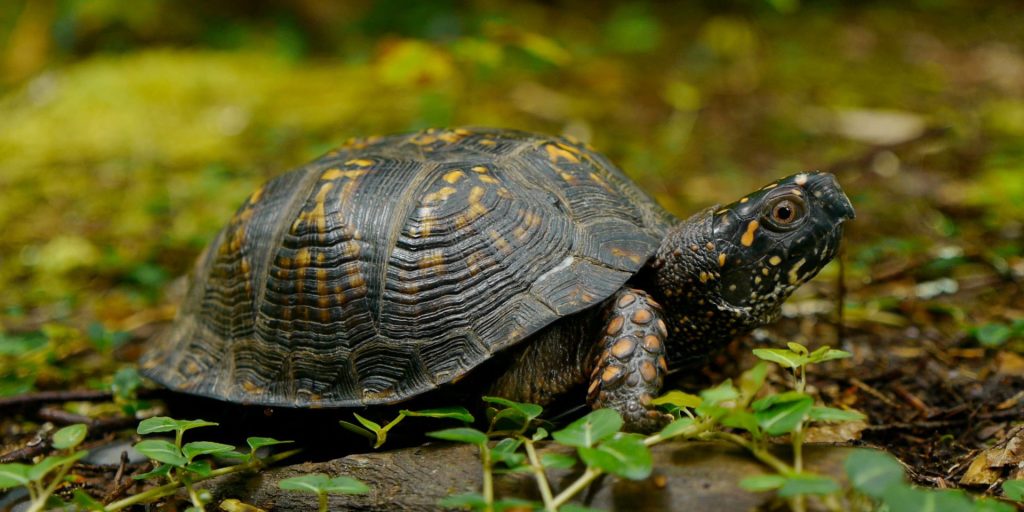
[322, 500]
[40, 501]
[171, 488]
[539, 474]
[194, 497]
[485, 457]
[759, 453]
[582, 482]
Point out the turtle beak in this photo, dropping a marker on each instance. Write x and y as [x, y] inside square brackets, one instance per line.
[826, 189]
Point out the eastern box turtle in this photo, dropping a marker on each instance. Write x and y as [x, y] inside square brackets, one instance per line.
[394, 265]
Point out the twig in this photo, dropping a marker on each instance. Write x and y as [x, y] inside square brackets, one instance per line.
[45, 397]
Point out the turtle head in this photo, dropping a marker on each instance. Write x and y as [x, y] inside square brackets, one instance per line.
[730, 268]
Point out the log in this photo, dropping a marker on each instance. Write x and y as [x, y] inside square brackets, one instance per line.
[687, 476]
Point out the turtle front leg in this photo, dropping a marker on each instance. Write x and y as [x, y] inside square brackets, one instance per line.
[629, 365]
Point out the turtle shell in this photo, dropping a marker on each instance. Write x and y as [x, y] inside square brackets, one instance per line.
[396, 264]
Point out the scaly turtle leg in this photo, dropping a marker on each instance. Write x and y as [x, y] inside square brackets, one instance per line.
[629, 364]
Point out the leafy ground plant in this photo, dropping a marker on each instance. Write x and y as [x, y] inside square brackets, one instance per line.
[185, 464]
[378, 434]
[43, 478]
[322, 485]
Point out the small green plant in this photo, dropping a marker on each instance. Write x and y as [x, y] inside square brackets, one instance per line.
[43, 478]
[378, 435]
[184, 464]
[322, 485]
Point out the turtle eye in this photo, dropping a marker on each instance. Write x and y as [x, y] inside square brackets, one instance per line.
[786, 212]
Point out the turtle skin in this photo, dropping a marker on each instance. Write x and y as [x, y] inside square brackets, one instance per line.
[394, 265]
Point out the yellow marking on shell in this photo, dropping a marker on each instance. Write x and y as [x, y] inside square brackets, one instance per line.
[473, 262]
[487, 142]
[476, 194]
[302, 258]
[488, 179]
[499, 241]
[454, 176]
[192, 368]
[721, 259]
[423, 139]
[748, 238]
[618, 252]
[558, 151]
[794, 272]
[439, 196]
[801, 179]
[360, 162]
[256, 196]
[479, 169]
[774, 260]
[356, 280]
[450, 136]
[504, 193]
[600, 181]
[568, 178]
[333, 174]
[251, 388]
[431, 260]
[745, 199]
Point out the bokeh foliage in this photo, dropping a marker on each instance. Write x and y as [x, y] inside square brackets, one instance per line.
[129, 131]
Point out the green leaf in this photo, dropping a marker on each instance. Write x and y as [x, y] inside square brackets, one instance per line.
[829, 354]
[624, 455]
[84, 501]
[70, 436]
[199, 467]
[783, 417]
[872, 472]
[161, 470]
[676, 428]
[678, 399]
[161, 451]
[588, 430]
[780, 398]
[461, 435]
[314, 483]
[724, 392]
[762, 483]
[781, 357]
[752, 380]
[470, 499]
[197, 448]
[541, 433]
[573, 507]
[352, 427]
[509, 419]
[903, 497]
[255, 443]
[558, 460]
[797, 348]
[1014, 489]
[38, 471]
[458, 413]
[13, 475]
[742, 420]
[992, 505]
[157, 424]
[993, 335]
[345, 485]
[125, 383]
[831, 414]
[505, 452]
[808, 484]
[368, 423]
[320, 483]
[184, 425]
[531, 411]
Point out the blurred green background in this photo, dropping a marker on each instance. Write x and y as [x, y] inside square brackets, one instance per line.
[130, 131]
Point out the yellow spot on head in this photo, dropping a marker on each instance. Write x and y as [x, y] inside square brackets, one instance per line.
[801, 179]
[454, 176]
[745, 199]
[721, 259]
[774, 260]
[794, 272]
[748, 237]
[255, 197]
[770, 186]
[704, 277]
